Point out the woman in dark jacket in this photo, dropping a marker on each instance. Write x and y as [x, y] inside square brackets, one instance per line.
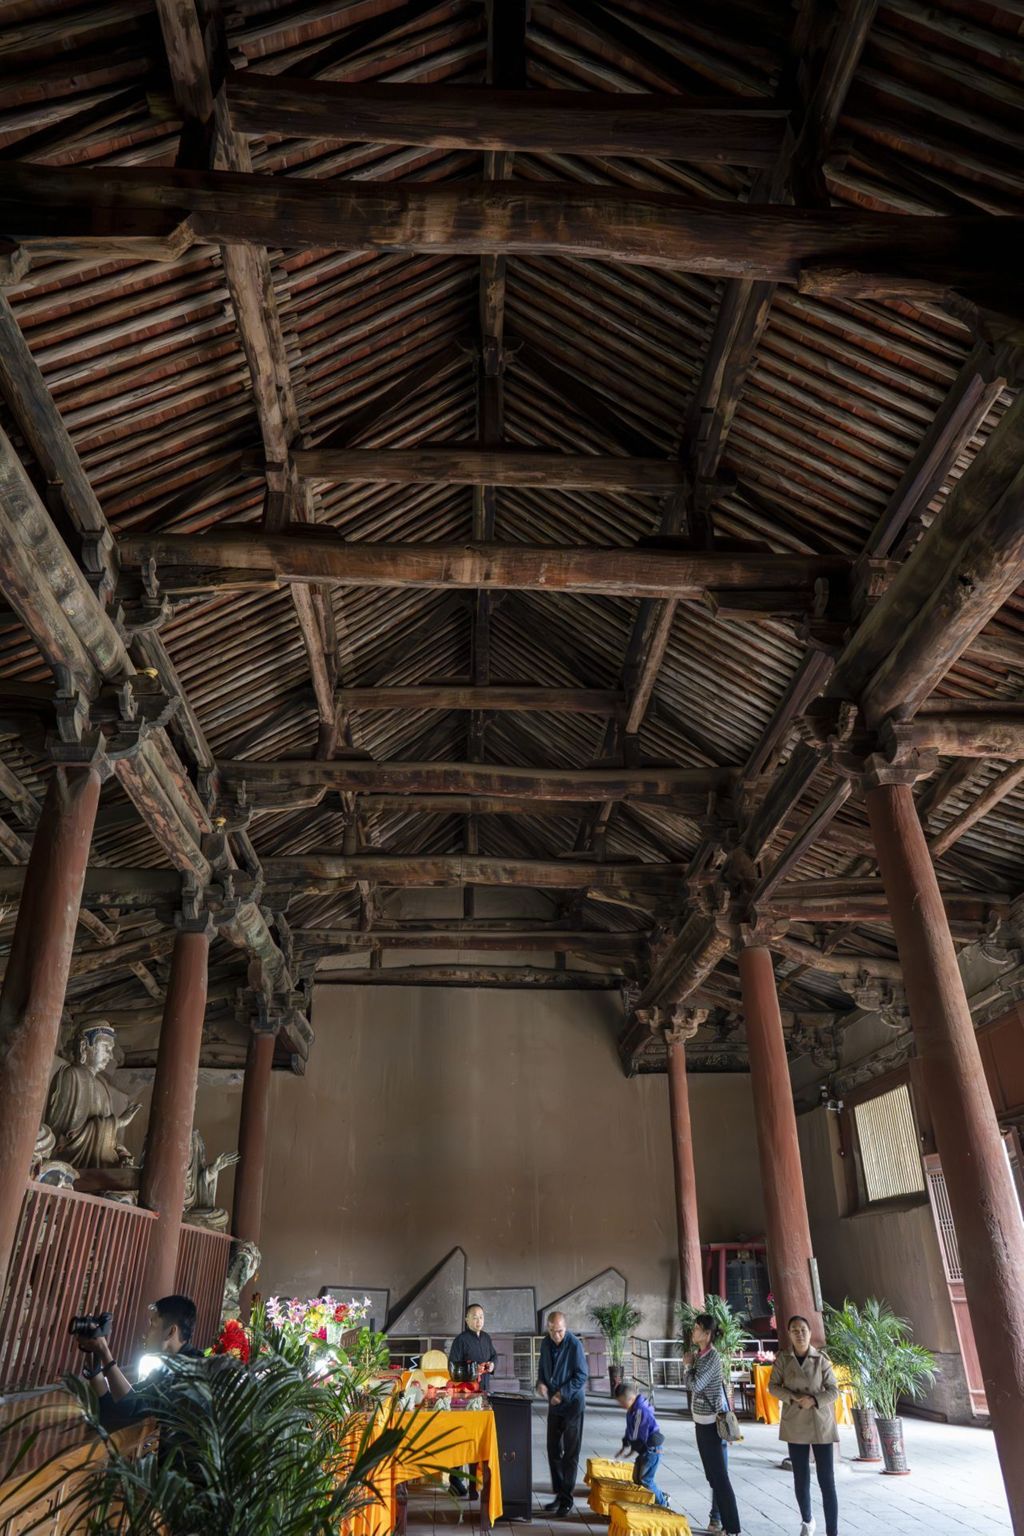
[703, 1376]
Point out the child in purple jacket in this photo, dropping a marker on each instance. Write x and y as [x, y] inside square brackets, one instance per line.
[643, 1437]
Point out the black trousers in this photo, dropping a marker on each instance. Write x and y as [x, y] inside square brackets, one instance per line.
[716, 1469]
[825, 1466]
[565, 1436]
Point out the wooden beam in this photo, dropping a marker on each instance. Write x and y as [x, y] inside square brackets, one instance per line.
[469, 805]
[689, 960]
[844, 965]
[679, 786]
[473, 465]
[955, 580]
[507, 978]
[990, 797]
[111, 887]
[608, 702]
[241, 557]
[863, 900]
[553, 941]
[311, 873]
[995, 731]
[817, 823]
[474, 117]
[762, 243]
[972, 395]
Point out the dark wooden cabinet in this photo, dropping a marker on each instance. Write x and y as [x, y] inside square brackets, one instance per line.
[513, 1413]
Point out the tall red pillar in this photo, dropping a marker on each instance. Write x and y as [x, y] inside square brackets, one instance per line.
[32, 997]
[168, 1139]
[691, 1278]
[990, 1233]
[247, 1211]
[788, 1231]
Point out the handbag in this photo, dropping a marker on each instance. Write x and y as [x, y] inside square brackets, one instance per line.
[728, 1427]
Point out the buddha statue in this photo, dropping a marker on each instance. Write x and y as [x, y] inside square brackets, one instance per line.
[201, 1208]
[243, 1264]
[81, 1109]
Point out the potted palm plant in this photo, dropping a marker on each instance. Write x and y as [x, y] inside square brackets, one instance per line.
[889, 1366]
[617, 1321]
[730, 1336]
[263, 1444]
[844, 1340]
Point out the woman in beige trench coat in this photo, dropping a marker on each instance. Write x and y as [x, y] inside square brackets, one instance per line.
[803, 1381]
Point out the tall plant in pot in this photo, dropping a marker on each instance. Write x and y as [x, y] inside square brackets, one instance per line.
[845, 1342]
[890, 1366]
[617, 1321]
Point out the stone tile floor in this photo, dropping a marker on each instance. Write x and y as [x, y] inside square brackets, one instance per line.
[954, 1486]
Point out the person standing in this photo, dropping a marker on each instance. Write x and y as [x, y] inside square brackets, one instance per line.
[562, 1380]
[804, 1382]
[702, 1374]
[472, 1347]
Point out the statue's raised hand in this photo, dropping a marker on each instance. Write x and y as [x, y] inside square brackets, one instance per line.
[127, 1115]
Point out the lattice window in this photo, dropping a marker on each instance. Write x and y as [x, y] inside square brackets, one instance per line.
[889, 1155]
[944, 1225]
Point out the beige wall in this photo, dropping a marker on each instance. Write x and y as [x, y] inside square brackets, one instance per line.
[893, 1255]
[497, 1121]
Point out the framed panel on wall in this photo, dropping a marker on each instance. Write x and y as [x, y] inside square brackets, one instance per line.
[507, 1308]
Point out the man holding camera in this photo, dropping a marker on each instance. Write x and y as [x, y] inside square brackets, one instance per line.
[170, 1324]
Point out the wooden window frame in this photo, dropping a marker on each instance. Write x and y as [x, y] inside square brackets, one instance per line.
[857, 1201]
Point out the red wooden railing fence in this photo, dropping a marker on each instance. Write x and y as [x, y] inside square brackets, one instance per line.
[202, 1265]
[73, 1254]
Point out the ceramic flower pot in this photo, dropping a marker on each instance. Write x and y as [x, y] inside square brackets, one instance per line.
[894, 1451]
[869, 1446]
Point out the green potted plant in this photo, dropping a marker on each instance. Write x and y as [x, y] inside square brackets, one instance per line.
[844, 1340]
[730, 1338]
[617, 1322]
[270, 1442]
[889, 1366]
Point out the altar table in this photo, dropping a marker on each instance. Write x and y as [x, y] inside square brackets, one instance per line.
[443, 1440]
[768, 1409]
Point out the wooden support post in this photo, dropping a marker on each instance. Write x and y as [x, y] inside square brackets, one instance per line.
[990, 1234]
[247, 1211]
[168, 1139]
[691, 1275]
[36, 977]
[787, 1227]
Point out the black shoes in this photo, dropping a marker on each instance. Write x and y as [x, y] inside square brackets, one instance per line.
[553, 1508]
[458, 1487]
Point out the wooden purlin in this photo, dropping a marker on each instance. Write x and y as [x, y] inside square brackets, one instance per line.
[742, 317]
[68, 623]
[251, 286]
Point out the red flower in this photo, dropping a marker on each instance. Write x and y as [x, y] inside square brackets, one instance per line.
[321, 1333]
[233, 1341]
[340, 1313]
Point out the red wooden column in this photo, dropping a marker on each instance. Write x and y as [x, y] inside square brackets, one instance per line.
[990, 1234]
[168, 1139]
[788, 1231]
[691, 1277]
[247, 1211]
[35, 981]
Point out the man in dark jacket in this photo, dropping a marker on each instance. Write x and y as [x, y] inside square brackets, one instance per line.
[562, 1379]
[169, 1326]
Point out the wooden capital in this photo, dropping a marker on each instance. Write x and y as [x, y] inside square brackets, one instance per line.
[683, 1023]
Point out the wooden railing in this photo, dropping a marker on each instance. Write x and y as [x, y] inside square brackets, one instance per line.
[73, 1254]
[202, 1265]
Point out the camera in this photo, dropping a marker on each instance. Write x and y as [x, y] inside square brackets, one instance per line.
[97, 1327]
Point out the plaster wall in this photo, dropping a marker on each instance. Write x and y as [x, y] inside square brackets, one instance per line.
[497, 1121]
[893, 1255]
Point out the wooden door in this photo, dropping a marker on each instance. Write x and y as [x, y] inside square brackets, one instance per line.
[950, 1251]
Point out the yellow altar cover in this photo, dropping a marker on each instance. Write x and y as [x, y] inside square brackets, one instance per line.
[636, 1520]
[442, 1441]
[768, 1409]
[600, 1466]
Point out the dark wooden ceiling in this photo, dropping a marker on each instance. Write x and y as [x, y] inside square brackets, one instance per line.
[799, 417]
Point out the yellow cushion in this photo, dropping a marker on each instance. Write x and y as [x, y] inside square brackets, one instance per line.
[606, 1491]
[635, 1520]
[600, 1466]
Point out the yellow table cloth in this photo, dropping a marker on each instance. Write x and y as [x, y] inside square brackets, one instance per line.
[600, 1466]
[607, 1491]
[442, 1441]
[768, 1409]
[635, 1520]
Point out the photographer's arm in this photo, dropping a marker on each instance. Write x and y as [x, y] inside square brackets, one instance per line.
[110, 1378]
